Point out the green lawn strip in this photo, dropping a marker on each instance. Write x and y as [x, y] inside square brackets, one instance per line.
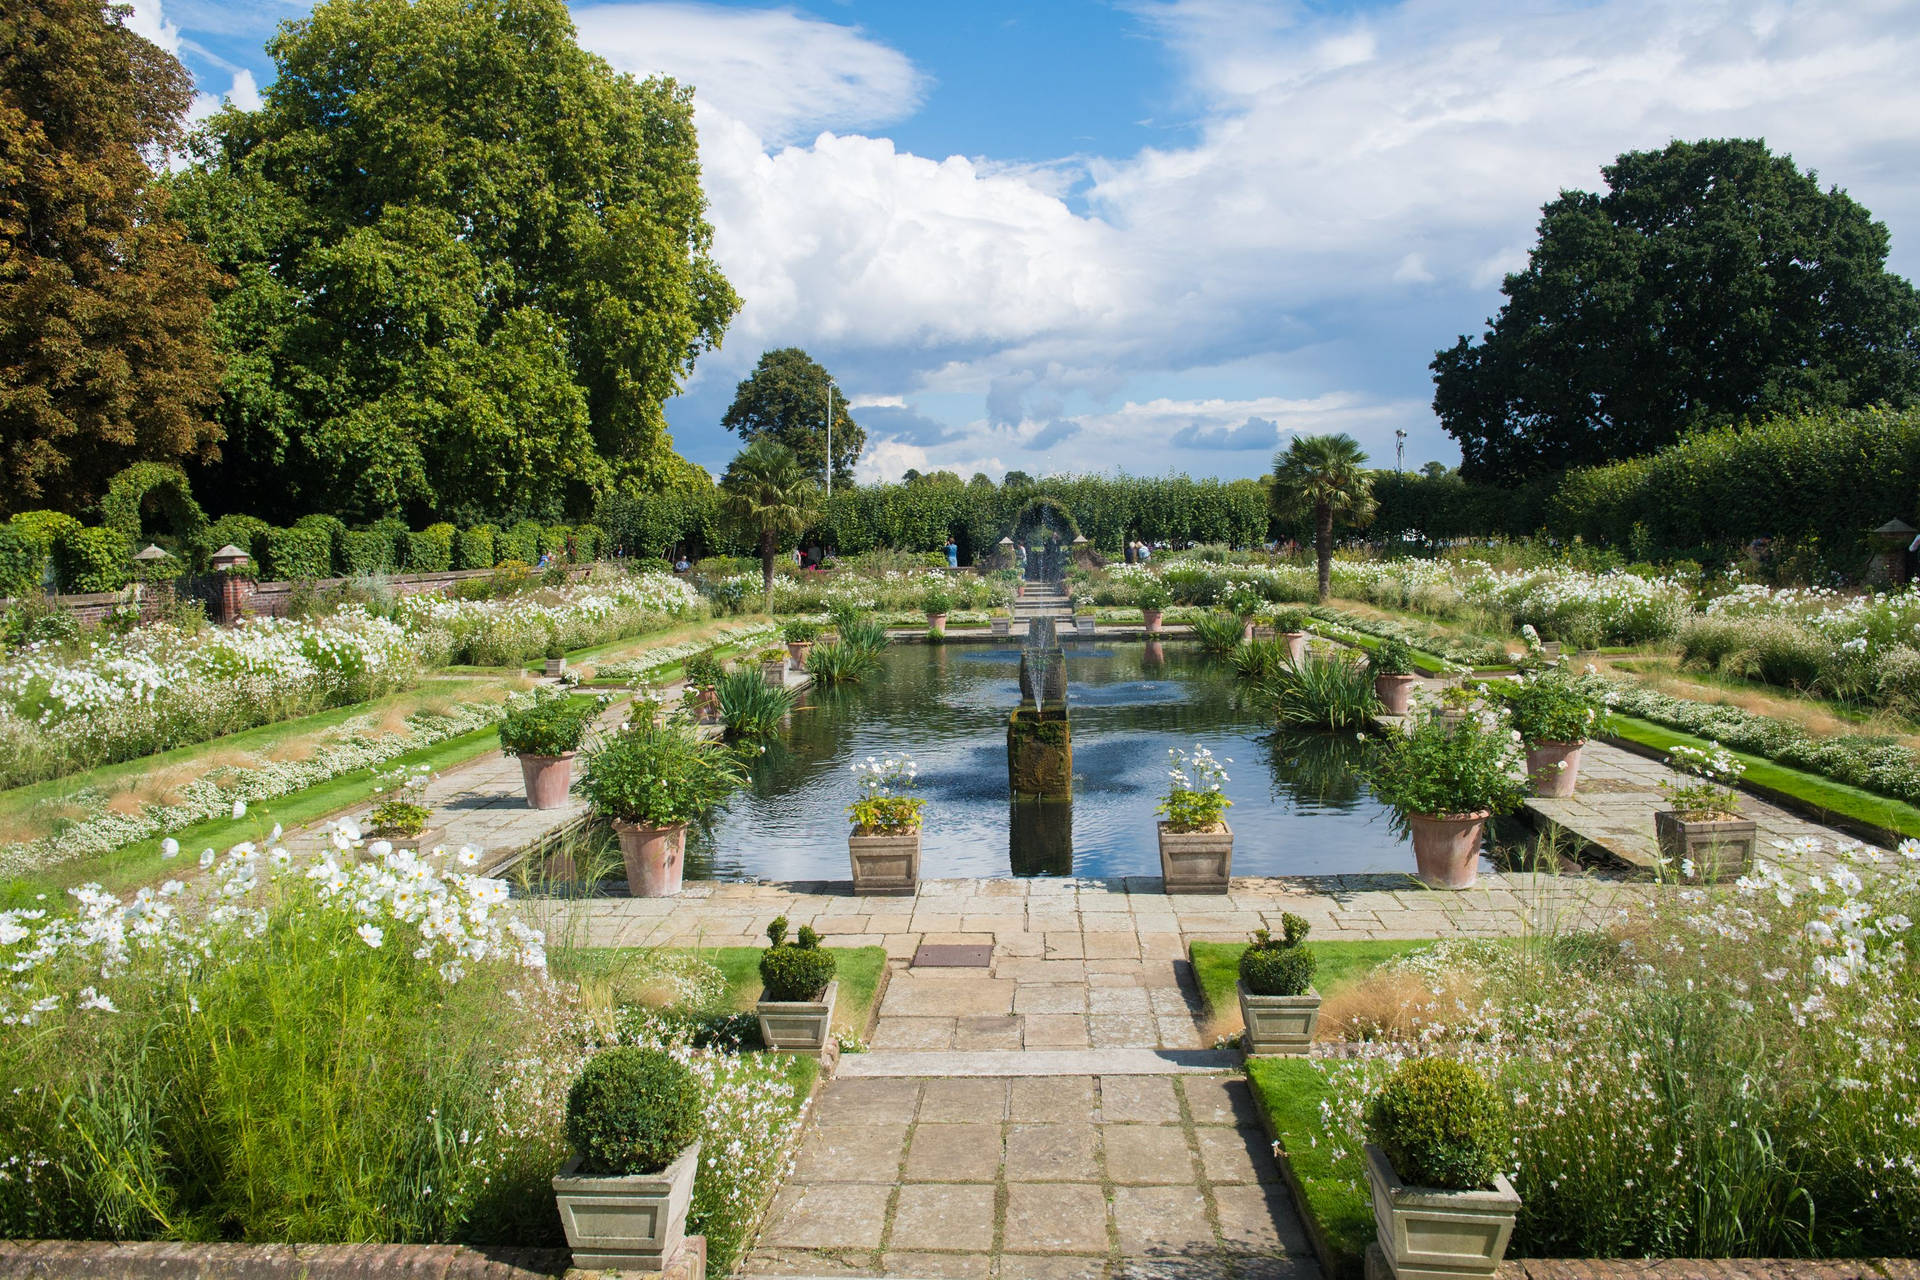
[18, 801]
[636, 645]
[857, 969]
[1428, 663]
[1216, 967]
[1876, 811]
[140, 862]
[1288, 1092]
[1735, 684]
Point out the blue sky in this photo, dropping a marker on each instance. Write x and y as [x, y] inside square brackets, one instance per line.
[1154, 234]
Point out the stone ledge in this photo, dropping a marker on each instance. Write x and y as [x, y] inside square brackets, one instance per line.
[174, 1260]
[1684, 1268]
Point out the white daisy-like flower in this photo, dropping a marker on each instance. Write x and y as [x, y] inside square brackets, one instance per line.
[372, 934]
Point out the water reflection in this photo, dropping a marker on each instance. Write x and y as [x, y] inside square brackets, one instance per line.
[1298, 807]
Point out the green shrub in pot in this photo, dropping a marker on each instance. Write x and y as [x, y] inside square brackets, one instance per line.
[632, 1111]
[1441, 1124]
[1280, 966]
[1393, 657]
[551, 725]
[797, 970]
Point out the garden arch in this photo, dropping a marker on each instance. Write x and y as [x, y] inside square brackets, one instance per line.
[160, 488]
[1049, 520]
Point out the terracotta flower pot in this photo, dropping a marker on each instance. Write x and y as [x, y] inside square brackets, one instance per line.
[797, 651]
[1394, 693]
[1446, 847]
[548, 779]
[1296, 646]
[1554, 767]
[1246, 632]
[1152, 618]
[937, 623]
[655, 857]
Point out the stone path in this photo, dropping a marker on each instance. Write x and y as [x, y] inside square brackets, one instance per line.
[1614, 803]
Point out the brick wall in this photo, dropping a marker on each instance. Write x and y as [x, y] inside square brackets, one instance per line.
[157, 1260]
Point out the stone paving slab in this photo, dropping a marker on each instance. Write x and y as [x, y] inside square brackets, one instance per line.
[1037, 1062]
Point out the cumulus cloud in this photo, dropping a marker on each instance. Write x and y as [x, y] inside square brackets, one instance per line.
[147, 19]
[1254, 433]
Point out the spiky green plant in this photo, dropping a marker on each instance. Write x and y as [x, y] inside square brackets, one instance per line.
[752, 708]
[1218, 633]
[1322, 691]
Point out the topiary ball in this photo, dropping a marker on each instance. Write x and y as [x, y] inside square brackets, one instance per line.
[1277, 971]
[795, 973]
[1441, 1124]
[632, 1110]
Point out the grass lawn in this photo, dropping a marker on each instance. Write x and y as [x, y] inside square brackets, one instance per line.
[634, 646]
[858, 970]
[1216, 968]
[1427, 663]
[1811, 788]
[1340, 1215]
[140, 863]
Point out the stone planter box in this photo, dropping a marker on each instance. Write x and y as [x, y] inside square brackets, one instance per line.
[774, 672]
[1429, 1234]
[1719, 848]
[1083, 623]
[1446, 847]
[799, 1026]
[1279, 1024]
[1544, 761]
[885, 865]
[1002, 626]
[427, 837]
[655, 858]
[1152, 619]
[630, 1223]
[547, 779]
[797, 654]
[556, 666]
[1394, 693]
[1196, 861]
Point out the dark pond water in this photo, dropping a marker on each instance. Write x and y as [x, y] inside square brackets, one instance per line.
[1298, 807]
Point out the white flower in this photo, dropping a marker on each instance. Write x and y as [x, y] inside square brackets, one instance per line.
[239, 810]
[169, 848]
[206, 859]
[469, 855]
[91, 999]
[372, 934]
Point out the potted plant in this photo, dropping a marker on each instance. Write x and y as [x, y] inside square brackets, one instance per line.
[797, 991]
[937, 604]
[401, 813]
[1243, 602]
[556, 658]
[1441, 1204]
[546, 734]
[1702, 834]
[703, 672]
[652, 780]
[1448, 781]
[1277, 999]
[1554, 711]
[773, 665]
[884, 847]
[633, 1119]
[1392, 665]
[1196, 844]
[1290, 624]
[1153, 599]
[1001, 623]
[799, 635]
[1457, 702]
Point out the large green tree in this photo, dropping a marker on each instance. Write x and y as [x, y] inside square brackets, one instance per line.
[1323, 479]
[785, 399]
[472, 264]
[105, 359]
[1712, 282]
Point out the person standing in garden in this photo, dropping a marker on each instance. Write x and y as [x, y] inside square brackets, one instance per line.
[953, 554]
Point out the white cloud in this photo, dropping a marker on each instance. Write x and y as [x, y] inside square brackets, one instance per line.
[148, 20]
[243, 93]
[780, 73]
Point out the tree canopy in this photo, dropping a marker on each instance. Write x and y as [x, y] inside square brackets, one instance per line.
[784, 399]
[472, 262]
[1714, 282]
[105, 359]
[1322, 478]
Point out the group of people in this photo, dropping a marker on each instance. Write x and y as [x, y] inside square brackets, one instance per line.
[1138, 552]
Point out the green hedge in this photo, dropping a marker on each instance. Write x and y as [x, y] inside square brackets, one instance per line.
[521, 542]
[336, 531]
[21, 562]
[368, 551]
[44, 528]
[473, 548]
[554, 541]
[1814, 483]
[296, 553]
[92, 559]
[245, 532]
[431, 549]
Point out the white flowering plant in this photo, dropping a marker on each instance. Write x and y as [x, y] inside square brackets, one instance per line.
[884, 807]
[1704, 781]
[399, 807]
[1195, 799]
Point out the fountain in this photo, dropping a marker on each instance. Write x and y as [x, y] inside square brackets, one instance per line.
[1039, 735]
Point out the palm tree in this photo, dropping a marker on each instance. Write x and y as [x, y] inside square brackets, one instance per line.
[1325, 477]
[769, 493]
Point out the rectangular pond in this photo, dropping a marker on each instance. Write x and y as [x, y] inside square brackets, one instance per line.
[1299, 806]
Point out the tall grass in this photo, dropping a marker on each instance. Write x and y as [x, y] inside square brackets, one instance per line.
[1260, 660]
[1323, 691]
[752, 708]
[841, 662]
[1218, 633]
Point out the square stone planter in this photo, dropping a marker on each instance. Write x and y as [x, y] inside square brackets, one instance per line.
[1428, 1234]
[885, 864]
[631, 1223]
[1083, 624]
[774, 672]
[1196, 861]
[1719, 848]
[1279, 1024]
[556, 667]
[799, 1026]
[1002, 626]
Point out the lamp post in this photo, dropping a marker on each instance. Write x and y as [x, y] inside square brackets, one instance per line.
[1399, 448]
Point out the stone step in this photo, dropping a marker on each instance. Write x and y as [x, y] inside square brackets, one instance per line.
[1037, 1062]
